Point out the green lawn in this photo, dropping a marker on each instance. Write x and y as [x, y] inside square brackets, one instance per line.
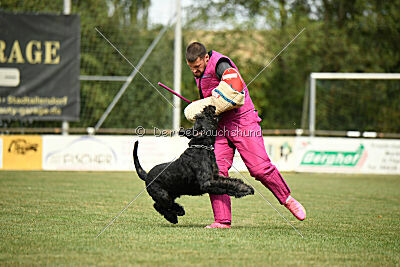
[52, 218]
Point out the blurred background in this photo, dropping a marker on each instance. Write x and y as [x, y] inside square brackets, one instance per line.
[339, 36]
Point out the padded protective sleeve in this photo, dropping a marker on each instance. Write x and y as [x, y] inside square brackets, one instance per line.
[223, 97]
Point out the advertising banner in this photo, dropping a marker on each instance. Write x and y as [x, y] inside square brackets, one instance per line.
[114, 153]
[84, 153]
[281, 151]
[108, 152]
[346, 155]
[154, 150]
[22, 152]
[1, 152]
[39, 67]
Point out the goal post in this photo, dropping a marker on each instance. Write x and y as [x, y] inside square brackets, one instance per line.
[314, 76]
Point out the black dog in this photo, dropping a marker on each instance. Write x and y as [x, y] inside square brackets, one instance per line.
[194, 173]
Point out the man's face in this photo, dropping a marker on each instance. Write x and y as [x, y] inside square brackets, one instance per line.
[198, 66]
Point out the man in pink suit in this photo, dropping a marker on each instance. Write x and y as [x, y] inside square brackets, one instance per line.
[239, 129]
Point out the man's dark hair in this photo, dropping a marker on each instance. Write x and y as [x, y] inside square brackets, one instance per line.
[195, 50]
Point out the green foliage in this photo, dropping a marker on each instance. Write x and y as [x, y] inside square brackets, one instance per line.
[126, 28]
[340, 36]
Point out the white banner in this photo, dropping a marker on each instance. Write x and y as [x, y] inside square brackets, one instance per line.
[112, 153]
[156, 150]
[84, 152]
[346, 155]
[303, 154]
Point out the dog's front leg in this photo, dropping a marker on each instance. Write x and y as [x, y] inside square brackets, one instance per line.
[207, 183]
[220, 185]
[234, 187]
[204, 176]
[212, 188]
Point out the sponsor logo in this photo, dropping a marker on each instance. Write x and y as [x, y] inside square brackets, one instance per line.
[21, 146]
[22, 152]
[285, 151]
[332, 158]
[85, 151]
[9, 77]
[82, 159]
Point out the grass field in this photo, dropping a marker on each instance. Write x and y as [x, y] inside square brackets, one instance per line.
[52, 218]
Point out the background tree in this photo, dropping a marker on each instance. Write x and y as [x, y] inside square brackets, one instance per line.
[340, 36]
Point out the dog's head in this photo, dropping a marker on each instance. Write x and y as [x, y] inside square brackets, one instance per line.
[205, 126]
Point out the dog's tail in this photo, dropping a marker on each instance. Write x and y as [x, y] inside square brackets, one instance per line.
[141, 173]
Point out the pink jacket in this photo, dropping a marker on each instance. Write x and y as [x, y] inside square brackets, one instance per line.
[210, 80]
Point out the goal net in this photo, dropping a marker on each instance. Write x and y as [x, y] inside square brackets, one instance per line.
[356, 102]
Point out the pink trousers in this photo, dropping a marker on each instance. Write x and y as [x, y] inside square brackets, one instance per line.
[245, 135]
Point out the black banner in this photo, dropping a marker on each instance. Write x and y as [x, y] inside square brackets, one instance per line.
[39, 67]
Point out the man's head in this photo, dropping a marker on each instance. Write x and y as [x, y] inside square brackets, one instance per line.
[197, 58]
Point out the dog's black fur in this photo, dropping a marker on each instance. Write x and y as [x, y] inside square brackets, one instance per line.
[194, 173]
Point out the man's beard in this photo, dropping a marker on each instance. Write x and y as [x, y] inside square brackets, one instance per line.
[198, 75]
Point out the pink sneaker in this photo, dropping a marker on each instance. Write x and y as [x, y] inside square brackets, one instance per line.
[295, 208]
[218, 225]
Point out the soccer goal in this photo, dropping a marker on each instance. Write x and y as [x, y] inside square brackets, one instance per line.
[357, 104]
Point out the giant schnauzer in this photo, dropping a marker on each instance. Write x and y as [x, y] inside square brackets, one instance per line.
[194, 173]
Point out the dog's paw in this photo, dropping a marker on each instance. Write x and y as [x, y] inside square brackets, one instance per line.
[244, 190]
[180, 211]
[251, 190]
[172, 218]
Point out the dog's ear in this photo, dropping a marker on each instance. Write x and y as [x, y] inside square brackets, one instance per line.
[210, 110]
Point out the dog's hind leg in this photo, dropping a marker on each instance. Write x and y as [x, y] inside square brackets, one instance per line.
[165, 204]
[168, 214]
[180, 211]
